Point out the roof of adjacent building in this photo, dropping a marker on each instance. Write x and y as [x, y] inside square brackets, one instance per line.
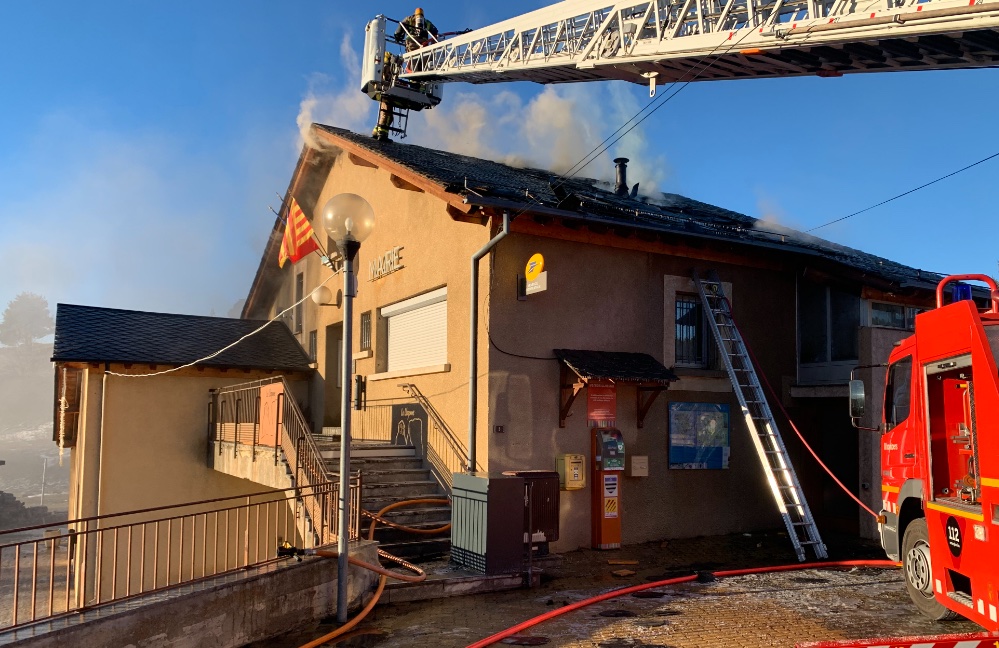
[94, 334]
[493, 184]
[617, 366]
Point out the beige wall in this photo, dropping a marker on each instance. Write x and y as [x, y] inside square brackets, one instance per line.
[152, 447]
[436, 252]
[609, 299]
[604, 293]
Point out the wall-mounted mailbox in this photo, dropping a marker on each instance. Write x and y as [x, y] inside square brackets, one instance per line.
[571, 471]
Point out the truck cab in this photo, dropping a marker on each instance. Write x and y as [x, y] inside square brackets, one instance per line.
[940, 458]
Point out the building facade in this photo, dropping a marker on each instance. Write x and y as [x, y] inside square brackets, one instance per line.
[618, 272]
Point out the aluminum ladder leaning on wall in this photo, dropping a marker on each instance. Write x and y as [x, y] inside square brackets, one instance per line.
[769, 446]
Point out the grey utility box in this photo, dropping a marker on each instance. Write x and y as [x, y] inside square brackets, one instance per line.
[486, 534]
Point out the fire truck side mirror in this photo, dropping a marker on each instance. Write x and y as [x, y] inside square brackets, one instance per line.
[858, 401]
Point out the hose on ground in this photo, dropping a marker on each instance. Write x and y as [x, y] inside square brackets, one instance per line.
[551, 614]
[384, 574]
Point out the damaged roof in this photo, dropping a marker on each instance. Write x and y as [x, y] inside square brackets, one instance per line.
[94, 334]
[492, 184]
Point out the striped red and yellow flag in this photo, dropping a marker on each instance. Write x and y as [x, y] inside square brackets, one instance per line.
[299, 238]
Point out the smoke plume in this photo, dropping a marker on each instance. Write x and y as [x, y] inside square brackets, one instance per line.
[559, 128]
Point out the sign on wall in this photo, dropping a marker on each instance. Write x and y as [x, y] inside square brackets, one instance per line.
[601, 403]
[409, 425]
[698, 436]
[535, 277]
[385, 264]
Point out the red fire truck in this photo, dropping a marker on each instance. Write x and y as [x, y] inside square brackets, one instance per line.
[940, 456]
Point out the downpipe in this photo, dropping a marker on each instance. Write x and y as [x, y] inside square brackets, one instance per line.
[473, 336]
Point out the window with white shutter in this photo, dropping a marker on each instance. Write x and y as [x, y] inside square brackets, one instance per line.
[417, 331]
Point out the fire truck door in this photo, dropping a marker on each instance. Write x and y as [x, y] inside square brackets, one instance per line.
[899, 439]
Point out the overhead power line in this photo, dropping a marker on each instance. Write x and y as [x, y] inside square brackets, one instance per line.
[905, 193]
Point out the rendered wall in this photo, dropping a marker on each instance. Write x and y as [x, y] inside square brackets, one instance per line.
[435, 253]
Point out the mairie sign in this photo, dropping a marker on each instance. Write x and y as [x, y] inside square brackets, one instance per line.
[385, 264]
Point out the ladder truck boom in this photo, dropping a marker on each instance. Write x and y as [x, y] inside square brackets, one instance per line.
[660, 41]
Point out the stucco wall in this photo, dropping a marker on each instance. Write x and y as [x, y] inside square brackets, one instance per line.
[435, 253]
[149, 447]
[607, 299]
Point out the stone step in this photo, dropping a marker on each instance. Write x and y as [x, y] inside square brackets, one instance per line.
[400, 490]
[419, 550]
[397, 475]
[331, 451]
[421, 513]
[375, 504]
[388, 534]
[376, 463]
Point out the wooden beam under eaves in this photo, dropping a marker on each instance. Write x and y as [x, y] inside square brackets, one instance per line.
[400, 183]
[357, 160]
[567, 392]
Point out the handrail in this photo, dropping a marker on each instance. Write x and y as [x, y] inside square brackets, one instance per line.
[294, 438]
[86, 562]
[456, 459]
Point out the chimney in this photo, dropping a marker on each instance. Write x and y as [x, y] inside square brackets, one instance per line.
[621, 177]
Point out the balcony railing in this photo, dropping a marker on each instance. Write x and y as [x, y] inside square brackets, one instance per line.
[52, 570]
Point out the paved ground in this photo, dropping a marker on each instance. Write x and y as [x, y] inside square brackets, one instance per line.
[746, 612]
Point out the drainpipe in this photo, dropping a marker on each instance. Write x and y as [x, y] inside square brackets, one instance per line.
[100, 434]
[473, 329]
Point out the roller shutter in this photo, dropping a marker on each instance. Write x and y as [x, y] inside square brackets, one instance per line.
[417, 331]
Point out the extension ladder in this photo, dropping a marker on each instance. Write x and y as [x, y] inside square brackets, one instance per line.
[759, 419]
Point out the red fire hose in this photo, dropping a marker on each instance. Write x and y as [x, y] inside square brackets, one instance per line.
[503, 634]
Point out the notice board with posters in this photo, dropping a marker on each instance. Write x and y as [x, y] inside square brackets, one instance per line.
[698, 436]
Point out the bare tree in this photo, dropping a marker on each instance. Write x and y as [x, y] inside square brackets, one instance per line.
[25, 320]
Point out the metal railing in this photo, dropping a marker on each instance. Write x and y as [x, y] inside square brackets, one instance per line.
[236, 414]
[57, 569]
[446, 454]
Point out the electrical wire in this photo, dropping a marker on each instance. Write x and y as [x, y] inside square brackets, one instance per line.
[905, 193]
[227, 347]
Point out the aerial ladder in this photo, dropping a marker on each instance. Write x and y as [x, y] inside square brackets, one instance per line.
[663, 41]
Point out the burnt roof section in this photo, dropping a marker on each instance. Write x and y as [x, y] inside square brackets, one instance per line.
[489, 183]
[617, 366]
[93, 334]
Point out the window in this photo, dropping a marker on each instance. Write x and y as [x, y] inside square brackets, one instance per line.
[366, 331]
[694, 347]
[312, 346]
[897, 392]
[417, 331]
[299, 295]
[888, 315]
[894, 316]
[828, 324]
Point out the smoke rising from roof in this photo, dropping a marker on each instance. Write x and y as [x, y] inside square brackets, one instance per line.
[345, 106]
[553, 129]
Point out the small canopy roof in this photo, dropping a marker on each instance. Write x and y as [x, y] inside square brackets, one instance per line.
[645, 373]
[621, 367]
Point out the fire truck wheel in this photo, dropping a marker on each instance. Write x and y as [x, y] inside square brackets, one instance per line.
[918, 573]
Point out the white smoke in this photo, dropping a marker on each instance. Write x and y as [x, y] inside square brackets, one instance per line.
[343, 105]
[560, 128]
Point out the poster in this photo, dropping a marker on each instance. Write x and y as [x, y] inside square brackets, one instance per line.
[601, 403]
[698, 436]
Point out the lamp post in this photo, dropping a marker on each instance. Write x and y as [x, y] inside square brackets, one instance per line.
[348, 220]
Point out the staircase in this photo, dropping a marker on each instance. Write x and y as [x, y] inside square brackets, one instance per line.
[393, 473]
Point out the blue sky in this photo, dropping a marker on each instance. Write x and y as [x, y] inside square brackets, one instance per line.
[141, 144]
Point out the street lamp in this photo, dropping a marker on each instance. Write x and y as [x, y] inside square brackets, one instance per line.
[348, 220]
